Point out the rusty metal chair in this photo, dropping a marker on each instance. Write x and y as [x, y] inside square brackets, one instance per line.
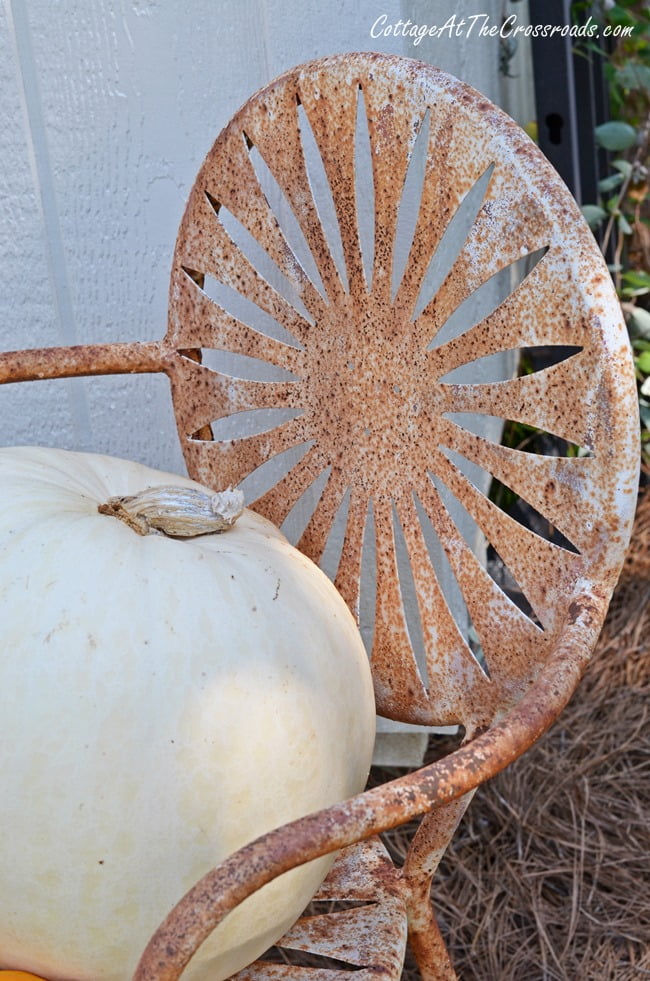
[338, 367]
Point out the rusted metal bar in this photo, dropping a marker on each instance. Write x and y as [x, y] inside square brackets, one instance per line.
[84, 359]
[425, 852]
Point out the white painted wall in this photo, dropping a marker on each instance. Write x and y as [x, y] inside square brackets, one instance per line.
[108, 108]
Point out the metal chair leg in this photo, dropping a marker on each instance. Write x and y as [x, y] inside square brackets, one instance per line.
[427, 848]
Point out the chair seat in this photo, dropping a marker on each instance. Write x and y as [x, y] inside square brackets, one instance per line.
[358, 917]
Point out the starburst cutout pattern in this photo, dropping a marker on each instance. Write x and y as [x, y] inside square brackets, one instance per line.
[368, 249]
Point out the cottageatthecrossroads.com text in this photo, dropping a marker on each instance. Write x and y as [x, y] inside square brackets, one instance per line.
[480, 25]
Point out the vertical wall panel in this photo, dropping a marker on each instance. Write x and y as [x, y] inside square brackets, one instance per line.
[28, 309]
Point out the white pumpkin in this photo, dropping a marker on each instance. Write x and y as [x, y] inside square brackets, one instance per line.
[162, 702]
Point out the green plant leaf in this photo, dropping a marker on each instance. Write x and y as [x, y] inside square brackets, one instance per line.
[609, 183]
[615, 135]
[639, 324]
[633, 76]
[593, 215]
[624, 226]
[643, 362]
[632, 292]
[635, 282]
[636, 278]
[624, 166]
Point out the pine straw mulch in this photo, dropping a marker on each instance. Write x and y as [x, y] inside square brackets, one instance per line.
[548, 876]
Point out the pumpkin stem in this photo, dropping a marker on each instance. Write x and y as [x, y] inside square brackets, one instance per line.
[179, 512]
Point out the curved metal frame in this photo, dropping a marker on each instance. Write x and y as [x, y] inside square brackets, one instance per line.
[399, 399]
